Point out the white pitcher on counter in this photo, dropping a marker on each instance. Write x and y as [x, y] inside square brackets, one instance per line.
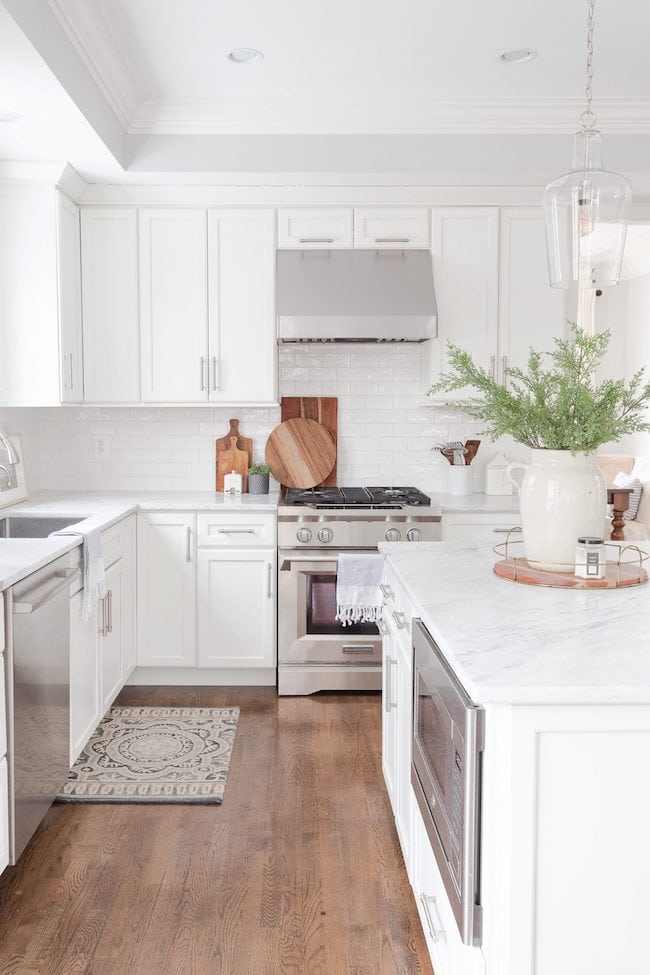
[563, 496]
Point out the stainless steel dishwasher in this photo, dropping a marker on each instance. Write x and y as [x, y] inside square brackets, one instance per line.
[38, 678]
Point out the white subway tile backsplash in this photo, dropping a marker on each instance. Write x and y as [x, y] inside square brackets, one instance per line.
[385, 431]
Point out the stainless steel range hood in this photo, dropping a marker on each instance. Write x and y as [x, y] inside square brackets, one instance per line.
[355, 296]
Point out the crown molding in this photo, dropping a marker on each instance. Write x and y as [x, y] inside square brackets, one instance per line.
[93, 37]
[386, 116]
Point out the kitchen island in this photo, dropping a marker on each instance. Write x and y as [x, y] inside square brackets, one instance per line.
[564, 680]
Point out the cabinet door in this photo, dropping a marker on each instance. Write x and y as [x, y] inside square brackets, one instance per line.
[127, 597]
[29, 331]
[389, 707]
[391, 227]
[403, 794]
[85, 708]
[466, 269]
[243, 349]
[173, 306]
[236, 608]
[4, 815]
[531, 313]
[69, 267]
[314, 227]
[166, 590]
[109, 275]
[111, 635]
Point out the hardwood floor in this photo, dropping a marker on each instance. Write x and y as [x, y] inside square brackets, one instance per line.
[298, 872]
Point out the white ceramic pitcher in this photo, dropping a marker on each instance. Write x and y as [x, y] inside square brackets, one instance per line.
[563, 496]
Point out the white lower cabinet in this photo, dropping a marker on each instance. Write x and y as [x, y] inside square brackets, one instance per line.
[4, 815]
[166, 590]
[102, 648]
[236, 607]
[207, 591]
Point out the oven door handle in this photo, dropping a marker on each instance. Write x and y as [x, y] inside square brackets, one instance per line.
[286, 565]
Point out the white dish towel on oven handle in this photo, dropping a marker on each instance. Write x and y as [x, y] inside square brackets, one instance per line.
[358, 596]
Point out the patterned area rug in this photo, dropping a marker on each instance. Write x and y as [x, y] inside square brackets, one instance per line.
[155, 755]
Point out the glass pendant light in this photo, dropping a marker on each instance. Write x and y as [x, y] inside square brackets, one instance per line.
[586, 211]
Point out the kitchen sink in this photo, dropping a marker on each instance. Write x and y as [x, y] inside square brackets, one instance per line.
[35, 526]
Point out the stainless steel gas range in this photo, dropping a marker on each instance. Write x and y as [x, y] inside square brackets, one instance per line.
[315, 652]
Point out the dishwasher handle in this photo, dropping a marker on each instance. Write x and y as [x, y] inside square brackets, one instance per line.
[43, 595]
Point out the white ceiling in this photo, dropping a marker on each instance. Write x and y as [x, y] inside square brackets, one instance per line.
[152, 79]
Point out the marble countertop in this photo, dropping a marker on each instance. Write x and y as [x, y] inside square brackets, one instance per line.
[20, 557]
[476, 503]
[517, 644]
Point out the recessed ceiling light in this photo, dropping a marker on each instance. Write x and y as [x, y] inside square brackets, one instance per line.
[518, 55]
[6, 115]
[245, 55]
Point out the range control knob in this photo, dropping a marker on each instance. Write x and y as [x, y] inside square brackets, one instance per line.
[303, 535]
[393, 535]
[325, 535]
[414, 535]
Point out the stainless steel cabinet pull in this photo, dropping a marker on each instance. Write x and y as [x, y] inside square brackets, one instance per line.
[383, 629]
[188, 544]
[392, 240]
[215, 384]
[269, 581]
[360, 648]
[387, 592]
[504, 531]
[104, 626]
[69, 358]
[400, 620]
[493, 366]
[109, 599]
[435, 933]
[202, 374]
[316, 240]
[235, 531]
[389, 705]
[504, 366]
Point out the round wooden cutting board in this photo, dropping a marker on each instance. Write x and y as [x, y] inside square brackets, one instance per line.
[300, 453]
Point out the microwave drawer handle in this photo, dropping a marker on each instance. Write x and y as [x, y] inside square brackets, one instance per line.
[435, 933]
[359, 648]
[39, 597]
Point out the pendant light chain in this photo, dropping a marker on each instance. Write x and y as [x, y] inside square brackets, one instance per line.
[588, 119]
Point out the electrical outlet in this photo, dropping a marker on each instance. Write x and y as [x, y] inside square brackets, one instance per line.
[101, 447]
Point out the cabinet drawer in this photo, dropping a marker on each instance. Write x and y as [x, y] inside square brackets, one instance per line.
[318, 228]
[236, 529]
[4, 815]
[448, 953]
[392, 227]
[118, 541]
[481, 528]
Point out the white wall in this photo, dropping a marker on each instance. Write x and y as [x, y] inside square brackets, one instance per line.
[385, 433]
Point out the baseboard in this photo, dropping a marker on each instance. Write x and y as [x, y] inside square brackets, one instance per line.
[204, 676]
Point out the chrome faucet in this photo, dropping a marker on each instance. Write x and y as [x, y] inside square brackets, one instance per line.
[12, 459]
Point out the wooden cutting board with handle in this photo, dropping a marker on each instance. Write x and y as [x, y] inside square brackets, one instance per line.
[300, 452]
[230, 460]
[243, 443]
[223, 445]
[324, 409]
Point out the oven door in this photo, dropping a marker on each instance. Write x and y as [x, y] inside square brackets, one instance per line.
[308, 632]
[447, 745]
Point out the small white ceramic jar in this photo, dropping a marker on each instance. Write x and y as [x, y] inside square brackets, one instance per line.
[591, 558]
[232, 483]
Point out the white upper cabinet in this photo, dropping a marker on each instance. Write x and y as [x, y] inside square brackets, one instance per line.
[109, 269]
[29, 339]
[531, 312]
[242, 335]
[69, 281]
[465, 249]
[173, 306]
[391, 227]
[315, 227]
